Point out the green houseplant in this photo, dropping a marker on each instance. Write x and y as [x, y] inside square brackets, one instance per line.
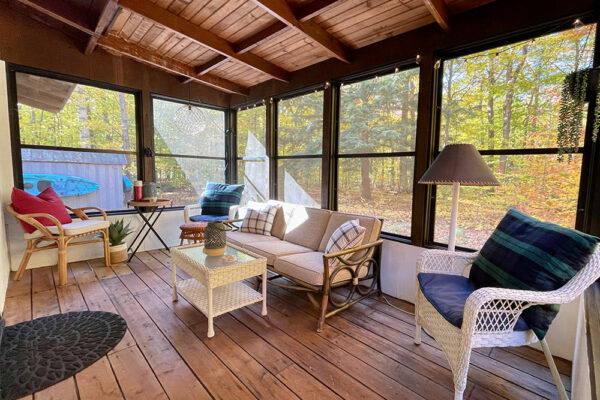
[575, 93]
[117, 232]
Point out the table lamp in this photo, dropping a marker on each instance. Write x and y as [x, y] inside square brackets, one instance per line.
[458, 164]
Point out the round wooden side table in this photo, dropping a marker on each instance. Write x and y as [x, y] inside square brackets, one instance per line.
[192, 232]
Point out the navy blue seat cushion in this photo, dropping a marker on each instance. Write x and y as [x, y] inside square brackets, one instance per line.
[208, 218]
[219, 197]
[448, 295]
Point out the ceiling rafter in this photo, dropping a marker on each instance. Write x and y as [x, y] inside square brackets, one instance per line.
[440, 13]
[281, 10]
[146, 56]
[304, 13]
[203, 37]
[79, 20]
[65, 13]
[108, 14]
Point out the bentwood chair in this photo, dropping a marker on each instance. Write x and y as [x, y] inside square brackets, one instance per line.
[62, 236]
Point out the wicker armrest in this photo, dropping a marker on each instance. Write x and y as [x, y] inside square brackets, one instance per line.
[443, 261]
[80, 212]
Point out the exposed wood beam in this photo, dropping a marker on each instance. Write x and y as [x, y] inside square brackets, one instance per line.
[315, 8]
[207, 66]
[109, 12]
[63, 12]
[281, 10]
[202, 36]
[260, 37]
[440, 13]
[143, 55]
[210, 65]
[304, 13]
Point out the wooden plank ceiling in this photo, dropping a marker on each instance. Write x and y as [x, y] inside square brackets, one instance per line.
[232, 45]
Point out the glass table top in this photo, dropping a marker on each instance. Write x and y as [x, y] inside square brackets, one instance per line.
[232, 256]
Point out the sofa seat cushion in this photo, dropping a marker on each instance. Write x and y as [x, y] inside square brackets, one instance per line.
[308, 267]
[307, 226]
[273, 249]
[73, 228]
[243, 238]
[448, 295]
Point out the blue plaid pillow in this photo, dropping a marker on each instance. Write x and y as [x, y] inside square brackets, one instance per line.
[219, 197]
[525, 253]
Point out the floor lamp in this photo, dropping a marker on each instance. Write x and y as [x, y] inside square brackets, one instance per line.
[458, 164]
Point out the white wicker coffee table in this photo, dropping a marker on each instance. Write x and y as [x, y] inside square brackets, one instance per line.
[215, 287]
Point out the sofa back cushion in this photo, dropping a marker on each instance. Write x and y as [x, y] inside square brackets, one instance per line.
[219, 197]
[525, 253]
[46, 202]
[371, 224]
[283, 215]
[307, 226]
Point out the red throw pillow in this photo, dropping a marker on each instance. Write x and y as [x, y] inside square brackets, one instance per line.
[46, 202]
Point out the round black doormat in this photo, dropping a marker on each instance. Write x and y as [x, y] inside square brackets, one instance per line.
[39, 353]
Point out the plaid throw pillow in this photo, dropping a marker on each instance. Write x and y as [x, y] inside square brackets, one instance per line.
[259, 221]
[348, 235]
[525, 253]
[218, 197]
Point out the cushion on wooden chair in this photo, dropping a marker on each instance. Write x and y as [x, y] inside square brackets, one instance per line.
[208, 218]
[448, 295]
[525, 253]
[74, 228]
[47, 202]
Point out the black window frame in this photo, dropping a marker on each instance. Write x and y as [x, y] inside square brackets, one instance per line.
[228, 134]
[15, 133]
[356, 78]
[273, 142]
[234, 137]
[589, 148]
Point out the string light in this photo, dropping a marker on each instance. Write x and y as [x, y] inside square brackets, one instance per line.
[577, 23]
[327, 84]
[418, 59]
[397, 70]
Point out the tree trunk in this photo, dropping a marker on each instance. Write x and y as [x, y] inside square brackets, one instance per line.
[365, 182]
[124, 124]
[82, 117]
[449, 106]
[490, 103]
[511, 78]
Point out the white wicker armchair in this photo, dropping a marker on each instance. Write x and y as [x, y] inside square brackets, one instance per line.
[490, 314]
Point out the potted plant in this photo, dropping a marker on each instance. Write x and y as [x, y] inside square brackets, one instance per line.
[117, 232]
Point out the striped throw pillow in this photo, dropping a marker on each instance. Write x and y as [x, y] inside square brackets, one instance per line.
[219, 197]
[348, 235]
[525, 253]
[259, 221]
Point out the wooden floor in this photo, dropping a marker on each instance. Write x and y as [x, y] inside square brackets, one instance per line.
[366, 352]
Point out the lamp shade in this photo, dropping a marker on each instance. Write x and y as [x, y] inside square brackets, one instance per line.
[459, 163]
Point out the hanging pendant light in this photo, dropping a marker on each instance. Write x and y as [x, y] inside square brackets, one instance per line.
[190, 120]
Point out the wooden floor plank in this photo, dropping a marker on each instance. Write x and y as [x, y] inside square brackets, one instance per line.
[364, 352]
[45, 303]
[98, 381]
[135, 376]
[174, 375]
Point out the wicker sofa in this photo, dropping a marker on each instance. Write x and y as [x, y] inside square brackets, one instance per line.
[296, 251]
